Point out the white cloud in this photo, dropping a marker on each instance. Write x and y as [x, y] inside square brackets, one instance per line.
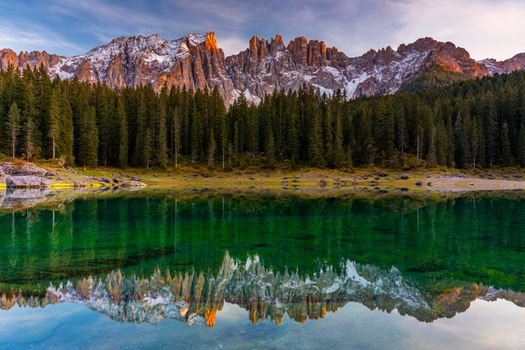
[232, 45]
[33, 38]
[485, 28]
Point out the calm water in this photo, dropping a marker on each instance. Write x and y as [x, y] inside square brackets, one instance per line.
[166, 270]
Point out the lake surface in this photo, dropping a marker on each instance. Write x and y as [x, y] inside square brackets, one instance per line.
[172, 270]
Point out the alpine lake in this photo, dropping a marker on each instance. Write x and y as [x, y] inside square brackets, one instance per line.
[165, 269]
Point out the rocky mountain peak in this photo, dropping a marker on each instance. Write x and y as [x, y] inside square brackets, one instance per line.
[196, 61]
[514, 63]
[211, 42]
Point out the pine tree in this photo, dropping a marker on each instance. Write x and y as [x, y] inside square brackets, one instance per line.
[14, 126]
[54, 122]
[315, 142]
[432, 152]
[401, 133]
[142, 141]
[339, 155]
[30, 147]
[176, 137]
[294, 145]
[212, 149]
[87, 140]
[521, 145]
[122, 133]
[161, 147]
[65, 140]
[506, 156]
[196, 135]
[147, 149]
[269, 149]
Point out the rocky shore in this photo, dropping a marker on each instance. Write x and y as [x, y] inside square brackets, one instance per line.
[24, 175]
[25, 185]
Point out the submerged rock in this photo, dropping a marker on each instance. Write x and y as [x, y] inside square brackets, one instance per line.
[27, 182]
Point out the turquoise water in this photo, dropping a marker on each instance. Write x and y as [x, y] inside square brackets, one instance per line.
[171, 270]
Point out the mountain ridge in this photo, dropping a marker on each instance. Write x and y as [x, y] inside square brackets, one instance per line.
[196, 61]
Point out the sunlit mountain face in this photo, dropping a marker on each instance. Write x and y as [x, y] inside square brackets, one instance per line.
[144, 258]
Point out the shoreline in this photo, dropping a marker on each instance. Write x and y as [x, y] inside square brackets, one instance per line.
[358, 179]
[367, 183]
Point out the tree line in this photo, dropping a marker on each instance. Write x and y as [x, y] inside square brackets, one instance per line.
[468, 124]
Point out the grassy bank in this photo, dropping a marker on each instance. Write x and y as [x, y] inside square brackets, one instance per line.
[306, 179]
[372, 179]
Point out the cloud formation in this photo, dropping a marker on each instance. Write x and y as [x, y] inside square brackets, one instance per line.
[487, 28]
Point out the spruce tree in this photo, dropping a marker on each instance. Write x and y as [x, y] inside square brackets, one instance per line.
[122, 133]
[521, 145]
[269, 149]
[506, 156]
[30, 146]
[54, 122]
[14, 126]
[212, 149]
[161, 147]
[176, 137]
[87, 141]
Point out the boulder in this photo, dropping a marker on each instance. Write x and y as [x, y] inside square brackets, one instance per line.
[27, 182]
[79, 184]
[22, 169]
[133, 183]
[105, 179]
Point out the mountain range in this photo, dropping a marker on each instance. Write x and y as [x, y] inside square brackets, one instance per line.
[196, 61]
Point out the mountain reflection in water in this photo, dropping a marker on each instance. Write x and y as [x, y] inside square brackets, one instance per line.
[147, 258]
[196, 298]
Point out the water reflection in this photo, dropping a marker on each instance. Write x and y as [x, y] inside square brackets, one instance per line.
[147, 258]
[197, 297]
[22, 198]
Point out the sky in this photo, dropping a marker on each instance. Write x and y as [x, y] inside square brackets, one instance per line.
[486, 28]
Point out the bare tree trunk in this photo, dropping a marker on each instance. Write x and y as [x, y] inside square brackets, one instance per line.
[417, 146]
[54, 147]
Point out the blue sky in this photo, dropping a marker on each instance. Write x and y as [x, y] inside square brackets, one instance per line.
[486, 28]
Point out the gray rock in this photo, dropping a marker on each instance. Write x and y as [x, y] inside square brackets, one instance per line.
[78, 183]
[132, 183]
[27, 182]
[105, 179]
[23, 169]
